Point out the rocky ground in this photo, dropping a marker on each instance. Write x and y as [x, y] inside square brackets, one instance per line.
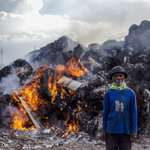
[49, 140]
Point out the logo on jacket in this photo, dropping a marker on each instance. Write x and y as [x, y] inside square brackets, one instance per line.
[119, 106]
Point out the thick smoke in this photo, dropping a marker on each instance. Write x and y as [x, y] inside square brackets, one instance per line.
[8, 113]
[9, 84]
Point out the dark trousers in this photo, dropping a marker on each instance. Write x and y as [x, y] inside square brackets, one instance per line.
[118, 142]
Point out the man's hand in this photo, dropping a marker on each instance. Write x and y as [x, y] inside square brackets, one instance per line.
[103, 136]
[132, 137]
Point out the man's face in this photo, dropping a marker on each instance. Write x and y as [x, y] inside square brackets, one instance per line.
[118, 79]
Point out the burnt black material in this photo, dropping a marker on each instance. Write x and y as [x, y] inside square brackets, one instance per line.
[133, 55]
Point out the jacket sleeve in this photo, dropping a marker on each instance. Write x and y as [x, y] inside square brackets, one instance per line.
[133, 115]
[105, 112]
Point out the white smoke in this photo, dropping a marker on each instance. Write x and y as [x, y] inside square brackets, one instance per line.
[9, 84]
[8, 113]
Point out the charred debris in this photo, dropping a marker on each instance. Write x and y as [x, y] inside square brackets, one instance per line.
[37, 79]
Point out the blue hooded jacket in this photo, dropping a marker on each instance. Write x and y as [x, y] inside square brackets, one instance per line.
[120, 112]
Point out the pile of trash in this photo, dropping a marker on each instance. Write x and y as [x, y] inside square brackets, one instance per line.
[79, 102]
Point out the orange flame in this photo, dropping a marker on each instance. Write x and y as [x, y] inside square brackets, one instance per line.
[52, 86]
[90, 59]
[19, 121]
[30, 94]
[73, 126]
[79, 107]
[72, 67]
[17, 73]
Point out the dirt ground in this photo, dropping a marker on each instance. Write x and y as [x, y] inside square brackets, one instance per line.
[31, 140]
[85, 146]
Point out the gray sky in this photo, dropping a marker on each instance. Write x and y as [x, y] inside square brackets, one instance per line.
[25, 24]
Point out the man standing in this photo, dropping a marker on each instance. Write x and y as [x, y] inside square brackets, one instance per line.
[119, 127]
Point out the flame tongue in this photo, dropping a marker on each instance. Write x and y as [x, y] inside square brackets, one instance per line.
[75, 68]
[73, 126]
[90, 59]
[20, 121]
[30, 94]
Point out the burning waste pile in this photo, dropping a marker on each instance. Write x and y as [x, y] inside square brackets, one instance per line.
[60, 88]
